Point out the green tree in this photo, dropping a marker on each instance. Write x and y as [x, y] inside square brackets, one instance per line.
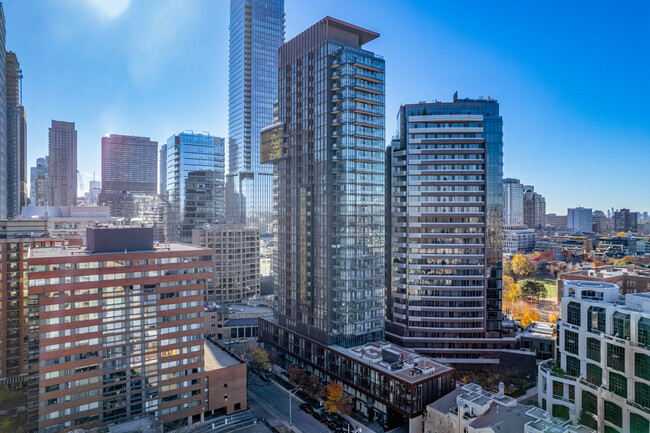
[256, 359]
[534, 289]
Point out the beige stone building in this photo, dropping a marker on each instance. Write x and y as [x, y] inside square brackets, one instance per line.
[236, 261]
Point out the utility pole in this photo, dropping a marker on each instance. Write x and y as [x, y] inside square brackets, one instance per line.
[291, 395]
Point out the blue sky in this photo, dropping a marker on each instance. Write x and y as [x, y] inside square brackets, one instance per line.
[572, 78]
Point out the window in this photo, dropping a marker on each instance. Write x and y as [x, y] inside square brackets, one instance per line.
[225, 385]
[621, 325]
[560, 411]
[594, 374]
[237, 406]
[572, 393]
[572, 366]
[613, 413]
[593, 349]
[642, 366]
[571, 342]
[609, 429]
[642, 394]
[596, 319]
[644, 332]
[589, 402]
[639, 424]
[573, 313]
[618, 384]
[558, 389]
[616, 357]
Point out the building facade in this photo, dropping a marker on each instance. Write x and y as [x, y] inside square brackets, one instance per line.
[534, 208]
[330, 166]
[38, 191]
[16, 139]
[513, 202]
[3, 116]
[601, 377]
[518, 239]
[256, 33]
[62, 167]
[236, 250]
[446, 229]
[194, 183]
[580, 220]
[146, 210]
[626, 221]
[119, 334]
[557, 221]
[129, 164]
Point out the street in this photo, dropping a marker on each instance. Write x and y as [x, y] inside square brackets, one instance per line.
[267, 400]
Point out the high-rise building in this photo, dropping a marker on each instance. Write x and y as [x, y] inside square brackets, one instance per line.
[62, 177]
[16, 139]
[194, 183]
[534, 208]
[3, 116]
[94, 189]
[236, 261]
[123, 337]
[39, 191]
[580, 219]
[328, 150]
[601, 377]
[162, 171]
[256, 33]
[626, 221]
[129, 164]
[513, 202]
[446, 227]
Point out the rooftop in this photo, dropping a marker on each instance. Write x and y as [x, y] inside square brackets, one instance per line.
[81, 250]
[235, 309]
[401, 363]
[216, 357]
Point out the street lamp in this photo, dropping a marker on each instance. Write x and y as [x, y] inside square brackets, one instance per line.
[291, 395]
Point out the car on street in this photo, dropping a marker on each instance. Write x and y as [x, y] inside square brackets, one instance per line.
[334, 426]
[307, 408]
[319, 417]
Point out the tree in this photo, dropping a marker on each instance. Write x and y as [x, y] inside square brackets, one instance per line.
[534, 289]
[511, 291]
[273, 357]
[508, 271]
[529, 315]
[621, 262]
[337, 399]
[297, 375]
[552, 316]
[256, 359]
[520, 266]
[535, 254]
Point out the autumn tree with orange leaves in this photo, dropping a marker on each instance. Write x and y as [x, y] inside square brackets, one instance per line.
[337, 399]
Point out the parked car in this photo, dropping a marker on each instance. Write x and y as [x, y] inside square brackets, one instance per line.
[264, 377]
[319, 417]
[333, 425]
[307, 408]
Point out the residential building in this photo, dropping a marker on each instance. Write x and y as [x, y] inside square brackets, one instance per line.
[539, 337]
[16, 139]
[91, 304]
[256, 33]
[225, 381]
[580, 219]
[626, 221]
[17, 237]
[3, 117]
[601, 223]
[518, 239]
[446, 227]
[557, 221]
[234, 322]
[39, 190]
[194, 183]
[513, 202]
[534, 208]
[618, 246]
[62, 176]
[601, 377]
[572, 244]
[472, 409]
[236, 253]
[162, 171]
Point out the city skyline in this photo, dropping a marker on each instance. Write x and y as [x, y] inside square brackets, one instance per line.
[120, 86]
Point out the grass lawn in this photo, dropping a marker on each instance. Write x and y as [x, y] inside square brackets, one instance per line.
[551, 287]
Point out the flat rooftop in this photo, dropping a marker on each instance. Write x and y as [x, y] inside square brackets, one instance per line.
[408, 366]
[81, 250]
[216, 358]
[234, 309]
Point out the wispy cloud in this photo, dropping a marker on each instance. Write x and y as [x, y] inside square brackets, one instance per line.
[157, 40]
[109, 8]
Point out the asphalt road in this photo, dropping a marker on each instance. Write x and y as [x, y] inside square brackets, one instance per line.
[267, 400]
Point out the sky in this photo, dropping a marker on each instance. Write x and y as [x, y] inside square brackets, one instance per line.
[572, 78]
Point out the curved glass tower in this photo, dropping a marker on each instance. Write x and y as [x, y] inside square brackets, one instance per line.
[256, 33]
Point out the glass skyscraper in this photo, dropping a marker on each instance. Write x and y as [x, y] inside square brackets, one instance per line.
[3, 117]
[194, 183]
[256, 33]
[446, 218]
[329, 153]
